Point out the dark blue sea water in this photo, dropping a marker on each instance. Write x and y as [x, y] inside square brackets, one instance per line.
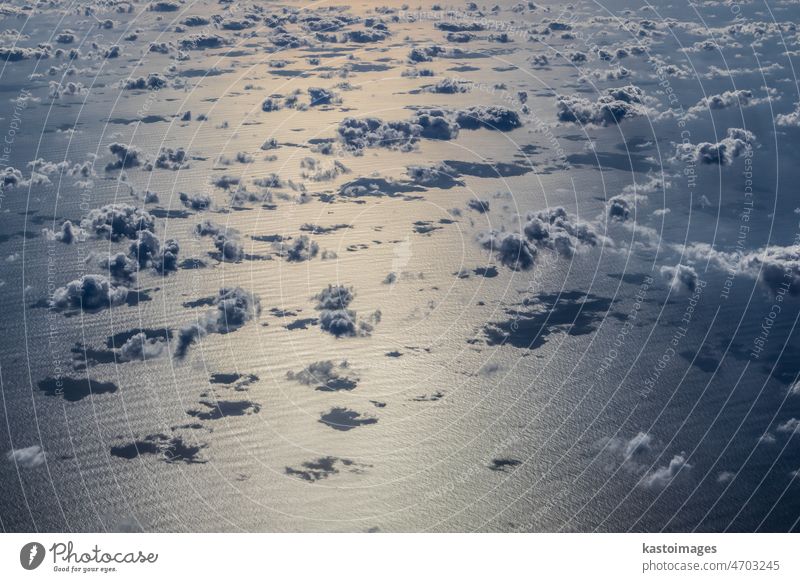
[312, 267]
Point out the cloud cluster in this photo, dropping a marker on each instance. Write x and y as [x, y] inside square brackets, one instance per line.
[232, 308]
[336, 318]
[299, 249]
[117, 221]
[171, 159]
[200, 202]
[551, 229]
[450, 86]
[69, 89]
[151, 81]
[202, 41]
[723, 153]
[611, 108]
[726, 100]
[494, 117]
[148, 251]
[90, 292]
[226, 241]
[360, 133]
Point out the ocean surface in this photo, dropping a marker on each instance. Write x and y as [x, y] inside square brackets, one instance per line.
[322, 267]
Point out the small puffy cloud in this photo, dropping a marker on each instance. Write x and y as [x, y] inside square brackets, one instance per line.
[148, 251]
[299, 249]
[139, 348]
[128, 156]
[121, 267]
[198, 202]
[270, 104]
[791, 119]
[622, 206]
[725, 477]
[117, 221]
[320, 96]
[723, 153]
[90, 292]
[164, 6]
[437, 176]
[229, 247]
[232, 308]
[208, 228]
[478, 205]
[794, 389]
[10, 178]
[436, 124]
[682, 278]
[512, 249]
[662, 476]
[619, 208]
[225, 181]
[27, 458]
[790, 426]
[629, 453]
[67, 233]
[775, 267]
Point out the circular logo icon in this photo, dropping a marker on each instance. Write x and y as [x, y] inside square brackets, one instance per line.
[31, 555]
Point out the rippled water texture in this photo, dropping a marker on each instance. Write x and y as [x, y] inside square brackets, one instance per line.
[371, 267]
